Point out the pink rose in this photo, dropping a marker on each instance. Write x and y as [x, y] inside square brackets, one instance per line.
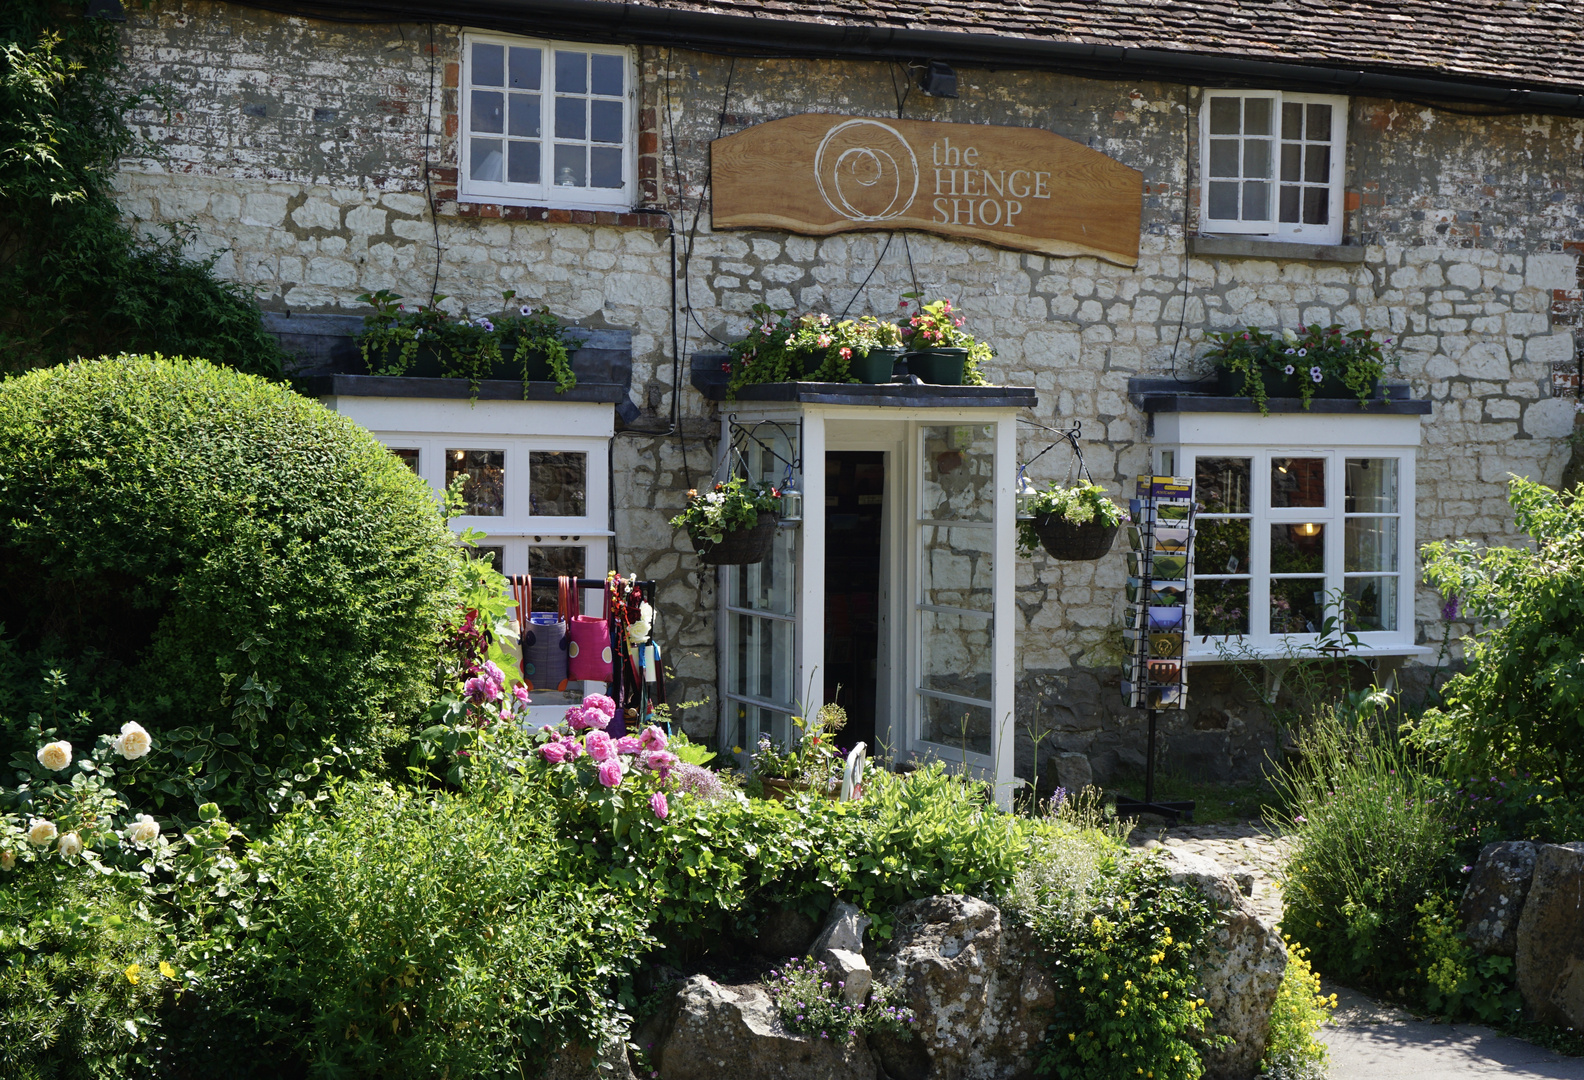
[573, 749]
[610, 773]
[481, 689]
[628, 745]
[554, 752]
[652, 738]
[657, 803]
[596, 719]
[578, 717]
[520, 692]
[494, 673]
[660, 761]
[599, 746]
[601, 704]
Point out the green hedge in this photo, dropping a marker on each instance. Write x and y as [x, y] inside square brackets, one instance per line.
[252, 577]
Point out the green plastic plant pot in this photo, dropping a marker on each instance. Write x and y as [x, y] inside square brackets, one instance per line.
[942, 367]
[875, 366]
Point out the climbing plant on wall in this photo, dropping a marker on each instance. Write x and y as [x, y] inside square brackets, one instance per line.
[77, 276]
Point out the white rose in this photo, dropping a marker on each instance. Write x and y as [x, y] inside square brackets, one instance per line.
[7, 860]
[1290, 336]
[71, 844]
[133, 742]
[145, 830]
[41, 832]
[55, 756]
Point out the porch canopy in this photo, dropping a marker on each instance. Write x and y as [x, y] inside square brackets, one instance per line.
[923, 476]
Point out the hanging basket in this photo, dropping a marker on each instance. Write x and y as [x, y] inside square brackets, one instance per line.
[1070, 542]
[741, 548]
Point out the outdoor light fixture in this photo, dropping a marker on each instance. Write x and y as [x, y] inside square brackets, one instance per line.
[1025, 497]
[1308, 528]
[939, 80]
[791, 499]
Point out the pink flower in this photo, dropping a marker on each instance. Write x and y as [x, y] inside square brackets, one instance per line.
[846, 353]
[660, 761]
[657, 803]
[520, 692]
[627, 745]
[573, 748]
[652, 738]
[577, 716]
[596, 719]
[495, 674]
[599, 746]
[554, 752]
[481, 689]
[610, 773]
[602, 704]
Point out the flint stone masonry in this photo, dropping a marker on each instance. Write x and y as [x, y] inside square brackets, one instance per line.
[1466, 227]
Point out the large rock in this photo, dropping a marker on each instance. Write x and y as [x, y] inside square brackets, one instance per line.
[716, 1031]
[785, 932]
[1241, 966]
[605, 1062]
[839, 946]
[981, 1001]
[1495, 896]
[1550, 953]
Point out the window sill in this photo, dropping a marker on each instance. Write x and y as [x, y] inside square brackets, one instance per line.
[1196, 654]
[463, 208]
[1237, 247]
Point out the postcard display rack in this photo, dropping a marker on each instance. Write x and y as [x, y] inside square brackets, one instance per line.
[1159, 616]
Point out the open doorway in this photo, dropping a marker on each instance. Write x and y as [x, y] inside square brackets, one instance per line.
[854, 505]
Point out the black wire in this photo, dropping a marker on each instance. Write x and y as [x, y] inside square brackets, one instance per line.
[1182, 316]
[880, 259]
[704, 190]
[434, 214]
[912, 273]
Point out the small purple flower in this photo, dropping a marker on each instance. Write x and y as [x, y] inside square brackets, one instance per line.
[1289, 369]
[1466, 868]
[1303, 352]
[1449, 610]
[1314, 373]
[1300, 819]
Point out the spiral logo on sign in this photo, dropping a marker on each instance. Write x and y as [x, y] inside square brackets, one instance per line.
[866, 171]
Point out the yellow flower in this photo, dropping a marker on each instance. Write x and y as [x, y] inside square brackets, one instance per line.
[1163, 995]
[1105, 975]
[132, 974]
[166, 970]
[736, 749]
[1072, 1036]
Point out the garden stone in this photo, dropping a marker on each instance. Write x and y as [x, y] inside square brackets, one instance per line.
[1495, 896]
[851, 971]
[785, 932]
[573, 1062]
[981, 1000]
[1241, 966]
[1073, 771]
[844, 929]
[1550, 954]
[716, 1030]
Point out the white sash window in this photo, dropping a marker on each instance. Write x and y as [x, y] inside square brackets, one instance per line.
[1272, 165]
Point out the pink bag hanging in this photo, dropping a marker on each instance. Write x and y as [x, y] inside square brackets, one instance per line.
[588, 637]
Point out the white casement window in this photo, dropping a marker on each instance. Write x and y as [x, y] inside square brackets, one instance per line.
[1273, 165]
[547, 123]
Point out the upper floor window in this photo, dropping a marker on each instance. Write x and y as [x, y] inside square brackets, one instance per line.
[546, 122]
[1273, 165]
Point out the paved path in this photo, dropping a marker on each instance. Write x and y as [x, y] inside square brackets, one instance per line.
[1368, 1040]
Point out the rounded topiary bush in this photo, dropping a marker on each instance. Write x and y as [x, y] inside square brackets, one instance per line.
[234, 565]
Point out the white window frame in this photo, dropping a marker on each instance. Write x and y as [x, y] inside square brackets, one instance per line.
[1271, 227]
[546, 193]
[1183, 438]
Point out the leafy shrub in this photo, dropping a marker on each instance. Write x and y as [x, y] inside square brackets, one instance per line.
[1371, 842]
[1299, 1011]
[1518, 706]
[810, 1002]
[255, 578]
[1459, 981]
[413, 933]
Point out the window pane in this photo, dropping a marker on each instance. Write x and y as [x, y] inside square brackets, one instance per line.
[1319, 122]
[1297, 482]
[1221, 547]
[959, 469]
[1371, 485]
[1371, 603]
[1221, 607]
[545, 565]
[1257, 116]
[571, 118]
[1297, 605]
[489, 65]
[1369, 544]
[557, 483]
[524, 116]
[522, 162]
[1223, 484]
[408, 458]
[1223, 201]
[951, 723]
[956, 654]
[766, 586]
[525, 64]
[1292, 121]
[1297, 549]
[1289, 204]
[605, 121]
[1257, 158]
[484, 160]
[605, 164]
[484, 493]
[487, 111]
[1317, 164]
[1256, 201]
[1223, 157]
[1224, 116]
[571, 72]
[761, 664]
[956, 567]
[609, 72]
[571, 169]
[1317, 206]
[1292, 159]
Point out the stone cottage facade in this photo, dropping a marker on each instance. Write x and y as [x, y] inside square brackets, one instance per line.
[323, 154]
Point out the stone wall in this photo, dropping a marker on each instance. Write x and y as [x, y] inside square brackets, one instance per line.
[298, 148]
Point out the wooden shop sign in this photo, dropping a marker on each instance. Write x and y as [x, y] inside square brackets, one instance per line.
[1022, 188]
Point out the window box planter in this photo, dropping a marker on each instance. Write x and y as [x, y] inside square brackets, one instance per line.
[876, 366]
[744, 547]
[1279, 385]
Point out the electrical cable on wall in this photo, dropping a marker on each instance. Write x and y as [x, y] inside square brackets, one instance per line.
[434, 215]
[1182, 315]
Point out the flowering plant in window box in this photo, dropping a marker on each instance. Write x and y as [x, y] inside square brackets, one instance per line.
[1073, 523]
[859, 350]
[938, 342]
[733, 524]
[1320, 362]
[398, 339]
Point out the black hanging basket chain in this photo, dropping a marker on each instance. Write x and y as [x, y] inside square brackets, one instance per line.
[1065, 540]
[745, 547]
